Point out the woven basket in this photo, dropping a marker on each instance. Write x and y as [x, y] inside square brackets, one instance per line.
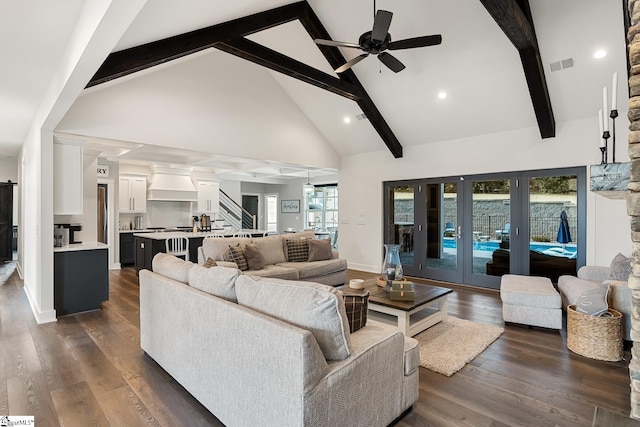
[593, 336]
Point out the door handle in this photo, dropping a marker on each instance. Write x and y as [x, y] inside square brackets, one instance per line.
[459, 235]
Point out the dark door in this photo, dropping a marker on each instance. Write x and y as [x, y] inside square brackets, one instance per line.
[6, 222]
[250, 206]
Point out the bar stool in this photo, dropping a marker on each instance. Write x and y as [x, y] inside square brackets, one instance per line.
[213, 236]
[242, 234]
[177, 246]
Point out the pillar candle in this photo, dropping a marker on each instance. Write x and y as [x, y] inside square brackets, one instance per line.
[601, 129]
[614, 92]
[605, 116]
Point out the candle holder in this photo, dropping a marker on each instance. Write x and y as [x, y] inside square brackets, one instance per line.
[613, 115]
[602, 151]
[605, 135]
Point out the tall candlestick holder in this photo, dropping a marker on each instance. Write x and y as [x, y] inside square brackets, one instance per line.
[613, 115]
[605, 150]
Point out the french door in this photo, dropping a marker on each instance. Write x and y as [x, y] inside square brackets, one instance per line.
[474, 229]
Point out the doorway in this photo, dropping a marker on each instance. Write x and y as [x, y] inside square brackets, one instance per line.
[250, 210]
[474, 229]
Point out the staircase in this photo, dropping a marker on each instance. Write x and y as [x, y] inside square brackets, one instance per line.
[234, 215]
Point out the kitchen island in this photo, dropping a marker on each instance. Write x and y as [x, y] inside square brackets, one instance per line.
[80, 277]
[147, 245]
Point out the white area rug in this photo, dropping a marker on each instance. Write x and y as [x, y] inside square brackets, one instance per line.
[448, 346]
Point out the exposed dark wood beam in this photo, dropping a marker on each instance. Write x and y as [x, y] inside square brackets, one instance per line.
[276, 61]
[316, 30]
[514, 18]
[229, 36]
[138, 58]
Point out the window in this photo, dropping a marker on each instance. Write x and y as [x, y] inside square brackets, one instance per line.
[321, 208]
[271, 201]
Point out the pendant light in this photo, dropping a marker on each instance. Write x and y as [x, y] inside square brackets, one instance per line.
[308, 187]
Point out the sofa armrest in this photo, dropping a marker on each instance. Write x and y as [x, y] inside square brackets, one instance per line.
[595, 273]
[334, 254]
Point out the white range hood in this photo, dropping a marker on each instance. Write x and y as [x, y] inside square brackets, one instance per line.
[171, 185]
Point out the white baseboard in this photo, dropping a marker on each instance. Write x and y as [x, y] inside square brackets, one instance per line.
[363, 267]
[115, 266]
[41, 316]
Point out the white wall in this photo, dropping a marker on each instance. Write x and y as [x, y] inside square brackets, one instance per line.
[242, 111]
[99, 27]
[576, 144]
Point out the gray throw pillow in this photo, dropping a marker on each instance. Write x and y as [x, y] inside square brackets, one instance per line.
[319, 250]
[254, 257]
[620, 268]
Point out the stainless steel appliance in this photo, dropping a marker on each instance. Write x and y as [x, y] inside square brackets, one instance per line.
[205, 223]
[137, 224]
[71, 230]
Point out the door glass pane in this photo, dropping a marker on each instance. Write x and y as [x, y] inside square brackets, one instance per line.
[400, 221]
[491, 227]
[553, 218]
[442, 216]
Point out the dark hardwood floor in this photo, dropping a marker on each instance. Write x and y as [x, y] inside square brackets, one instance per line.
[88, 369]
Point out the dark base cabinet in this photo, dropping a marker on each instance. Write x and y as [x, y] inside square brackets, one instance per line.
[81, 280]
[127, 249]
[146, 248]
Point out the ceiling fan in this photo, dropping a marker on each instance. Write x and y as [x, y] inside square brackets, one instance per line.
[378, 40]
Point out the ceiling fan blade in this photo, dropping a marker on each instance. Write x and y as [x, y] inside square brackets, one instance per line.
[335, 43]
[351, 63]
[391, 61]
[415, 42]
[381, 26]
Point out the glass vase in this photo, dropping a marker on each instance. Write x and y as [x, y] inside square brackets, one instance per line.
[391, 267]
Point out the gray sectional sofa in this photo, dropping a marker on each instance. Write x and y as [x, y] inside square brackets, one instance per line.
[262, 351]
[331, 272]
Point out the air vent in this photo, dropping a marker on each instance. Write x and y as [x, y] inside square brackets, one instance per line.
[560, 65]
[361, 116]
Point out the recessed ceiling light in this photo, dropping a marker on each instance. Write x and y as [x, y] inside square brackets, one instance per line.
[347, 119]
[442, 95]
[599, 54]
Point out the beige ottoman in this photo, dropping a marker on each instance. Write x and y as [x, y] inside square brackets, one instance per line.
[530, 301]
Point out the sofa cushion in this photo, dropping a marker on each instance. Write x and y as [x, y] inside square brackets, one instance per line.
[275, 271]
[236, 254]
[312, 306]
[218, 281]
[254, 257]
[319, 250]
[297, 250]
[308, 270]
[218, 248]
[172, 267]
[620, 268]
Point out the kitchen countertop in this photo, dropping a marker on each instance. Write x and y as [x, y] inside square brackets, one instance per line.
[168, 234]
[86, 246]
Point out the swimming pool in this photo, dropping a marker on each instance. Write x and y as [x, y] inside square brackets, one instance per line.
[492, 245]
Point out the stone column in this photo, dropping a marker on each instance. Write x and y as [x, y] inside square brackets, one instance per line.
[633, 199]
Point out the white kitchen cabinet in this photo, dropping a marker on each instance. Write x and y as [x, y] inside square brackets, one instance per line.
[133, 194]
[208, 197]
[67, 178]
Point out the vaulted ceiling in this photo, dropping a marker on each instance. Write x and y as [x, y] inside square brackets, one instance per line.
[487, 64]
